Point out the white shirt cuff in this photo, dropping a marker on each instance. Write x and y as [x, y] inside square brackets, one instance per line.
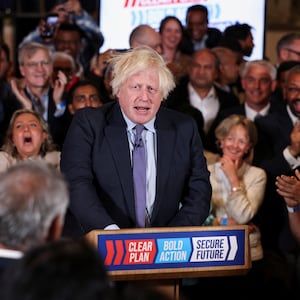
[112, 227]
[292, 161]
[60, 109]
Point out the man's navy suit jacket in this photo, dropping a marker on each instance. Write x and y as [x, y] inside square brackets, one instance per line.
[97, 165]
[273, 136]
[180, 96]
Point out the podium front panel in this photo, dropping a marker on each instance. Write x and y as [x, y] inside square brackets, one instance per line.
[173, 252]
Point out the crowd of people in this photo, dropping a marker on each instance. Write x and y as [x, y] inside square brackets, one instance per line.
[220, 141]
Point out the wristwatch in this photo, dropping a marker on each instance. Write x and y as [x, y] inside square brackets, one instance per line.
[236, 188]
[293, 209]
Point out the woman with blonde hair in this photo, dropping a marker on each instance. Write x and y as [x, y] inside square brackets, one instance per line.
[238, 188]
[28, 137]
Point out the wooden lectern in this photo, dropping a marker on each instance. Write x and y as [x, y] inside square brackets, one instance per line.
[160, 257]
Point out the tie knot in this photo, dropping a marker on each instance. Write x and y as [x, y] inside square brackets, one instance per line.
[138, 141]
[139, 129]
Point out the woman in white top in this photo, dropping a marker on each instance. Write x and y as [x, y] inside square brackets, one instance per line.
[28, 137]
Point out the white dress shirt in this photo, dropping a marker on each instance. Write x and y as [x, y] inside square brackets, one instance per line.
[251, 113]
[209, 106]
[149, 140]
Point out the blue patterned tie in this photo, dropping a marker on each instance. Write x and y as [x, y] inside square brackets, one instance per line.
[139, 176]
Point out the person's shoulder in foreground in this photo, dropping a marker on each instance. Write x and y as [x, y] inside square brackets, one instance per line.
[65, 269]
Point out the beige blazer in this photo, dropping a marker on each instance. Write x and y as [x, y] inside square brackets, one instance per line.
[241, 205]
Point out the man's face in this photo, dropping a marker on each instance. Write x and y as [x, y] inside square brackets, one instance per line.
[196, 23]
[230, 67]
[258, 86]
[140, 97]
[68, 41]
[84, 96]
[292, 93]
[203, 71]
[150, 38]
[37, 69]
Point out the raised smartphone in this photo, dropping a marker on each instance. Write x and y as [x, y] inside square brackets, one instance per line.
[51, 20]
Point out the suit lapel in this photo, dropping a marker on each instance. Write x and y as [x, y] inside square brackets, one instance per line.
[165, 149]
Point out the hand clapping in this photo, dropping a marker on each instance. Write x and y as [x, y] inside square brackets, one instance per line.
[289, 188]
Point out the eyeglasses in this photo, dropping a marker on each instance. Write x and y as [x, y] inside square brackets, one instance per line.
[293, 90]
[35, 64]
[293, 51]
[263, 80]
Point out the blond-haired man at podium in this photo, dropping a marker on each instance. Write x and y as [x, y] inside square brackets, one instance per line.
[98, 153]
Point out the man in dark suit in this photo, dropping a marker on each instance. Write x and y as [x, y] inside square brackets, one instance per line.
[258, 79]
[278, 151]
[198, 34]
[199, 91]
[98, 152]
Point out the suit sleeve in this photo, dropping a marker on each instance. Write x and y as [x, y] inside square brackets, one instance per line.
[193, 182]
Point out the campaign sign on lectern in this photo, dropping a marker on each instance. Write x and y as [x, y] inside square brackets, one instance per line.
[174, 252]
